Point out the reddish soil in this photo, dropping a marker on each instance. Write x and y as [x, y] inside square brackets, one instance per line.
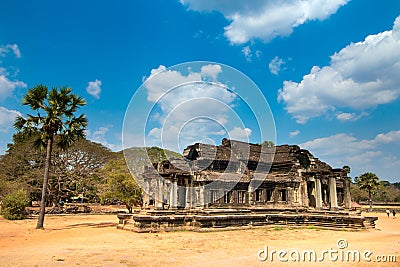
[93, 240]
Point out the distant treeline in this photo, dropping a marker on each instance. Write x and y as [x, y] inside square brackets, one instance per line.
[386, 192]
[87, 170]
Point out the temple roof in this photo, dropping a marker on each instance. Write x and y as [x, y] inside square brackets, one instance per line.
[243, 161]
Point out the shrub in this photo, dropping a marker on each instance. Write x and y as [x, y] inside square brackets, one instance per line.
[14, 204]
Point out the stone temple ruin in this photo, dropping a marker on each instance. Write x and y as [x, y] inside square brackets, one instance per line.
[241, 184]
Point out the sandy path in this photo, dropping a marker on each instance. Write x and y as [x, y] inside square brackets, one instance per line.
[93, 240]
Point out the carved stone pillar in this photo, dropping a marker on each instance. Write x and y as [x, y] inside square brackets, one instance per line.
[347, 195]
[318, 194]
[201, 195]
[173, 194]
[159, 193]
[188, 194]
[250, 191]
[333, 193]
[146, 192]
[303, 194]
[181, 196]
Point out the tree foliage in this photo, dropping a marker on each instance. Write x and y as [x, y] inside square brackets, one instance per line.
[268, 144]
[386, 192]
[55, 116]
[14, 205]
[369, 182]
[73, 172]
[119, 184]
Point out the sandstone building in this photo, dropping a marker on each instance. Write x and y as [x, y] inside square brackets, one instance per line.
[242, 175]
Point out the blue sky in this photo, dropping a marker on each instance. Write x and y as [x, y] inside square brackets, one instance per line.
[328, 69]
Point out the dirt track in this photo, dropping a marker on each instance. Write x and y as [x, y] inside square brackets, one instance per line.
[93, 240]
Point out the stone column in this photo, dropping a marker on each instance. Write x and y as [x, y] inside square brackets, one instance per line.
[303, 194]
[159, 193]
[188, 194]
[174, 194]
[347, 195]
[201, 195]
[318, 194]
[250, 191]
[333, 193]
[290, 195]
[193, 195]
[146, 192]
[181, 198]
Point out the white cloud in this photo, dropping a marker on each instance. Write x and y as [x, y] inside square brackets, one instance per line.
[360, 76]
[344, 116]
[7, 118]
[5, 49]
[94, 88]
[189, 108]
[161, 81]
[374, 155]
[211, 71]
[266, 19]
[240, 134]
[7, 86]
[100, 136]
[247, 53]
[275, 65]
[294, 133]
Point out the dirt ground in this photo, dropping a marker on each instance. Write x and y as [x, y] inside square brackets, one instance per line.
[93, 240]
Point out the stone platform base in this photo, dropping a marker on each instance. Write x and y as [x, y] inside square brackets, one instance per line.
[206, 220]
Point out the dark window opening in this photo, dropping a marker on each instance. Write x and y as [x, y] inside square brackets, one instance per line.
[259, 195]
[282, 195]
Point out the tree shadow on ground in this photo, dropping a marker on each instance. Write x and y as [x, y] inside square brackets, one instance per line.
[83, 225]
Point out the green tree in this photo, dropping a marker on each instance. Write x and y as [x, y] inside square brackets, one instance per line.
[357, 194]
[369, 182]
[73, 172]
[14, 205]
[22, 167]
[56, 110]
[120, 184]
[268, 144]
[76, 170]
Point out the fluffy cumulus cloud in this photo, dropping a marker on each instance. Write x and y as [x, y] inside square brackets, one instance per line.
[94, 88]
[378, 155]
[7, 85]
[240, 134]
[6, 49]
[190, 107]
[7, 118]
[360, 76]
[265, 19]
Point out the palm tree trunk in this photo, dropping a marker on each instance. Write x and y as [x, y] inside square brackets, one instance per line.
[45, 181]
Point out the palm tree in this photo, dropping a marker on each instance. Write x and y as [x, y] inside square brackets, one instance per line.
[55, 117]
[369, 182]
